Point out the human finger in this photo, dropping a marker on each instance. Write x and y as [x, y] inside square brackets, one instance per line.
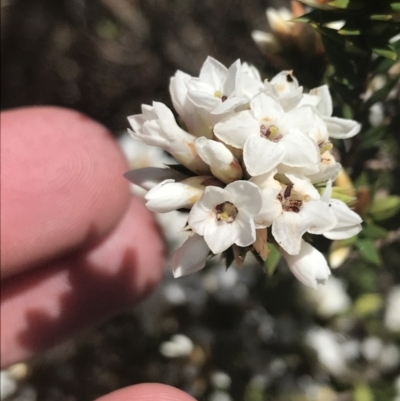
[62, 185]
[46, 305]
[148, 392]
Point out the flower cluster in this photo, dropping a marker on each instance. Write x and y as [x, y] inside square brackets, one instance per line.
[253, 159]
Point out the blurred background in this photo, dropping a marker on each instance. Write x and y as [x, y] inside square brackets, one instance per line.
[236, 335]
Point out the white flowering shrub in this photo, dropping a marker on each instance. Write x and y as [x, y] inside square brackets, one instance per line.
[254, 167]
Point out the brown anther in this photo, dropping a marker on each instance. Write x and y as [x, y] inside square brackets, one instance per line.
[288, 191]
[223, 98]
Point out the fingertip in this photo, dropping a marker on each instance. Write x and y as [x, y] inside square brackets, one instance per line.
[148, 392]
[62, 184]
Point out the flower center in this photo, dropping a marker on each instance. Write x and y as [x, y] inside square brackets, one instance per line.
[271, 133]
[289, 201]
[220, 95]
[226, 212]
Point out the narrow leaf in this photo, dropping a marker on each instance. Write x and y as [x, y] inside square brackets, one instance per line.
[368, 251]
[384, 208]
[273, 260]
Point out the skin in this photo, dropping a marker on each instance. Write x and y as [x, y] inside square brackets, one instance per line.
[76, 247]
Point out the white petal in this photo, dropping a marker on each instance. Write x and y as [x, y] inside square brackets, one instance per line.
[326, 173]
[136, 121]
[234, 130]
[170, 195]
[246, 231]
[324, 105]
[341, 128]
[220, 235]
[318, 216]
[246, 196]
[345, 216]
[229, 104]
[213, 196]
[303, 186]
[163, 112]
[232, 78]
[179, 95]
[301, 118]
[270, 210]
[300, 150]
[309, 266]
[343, 233]
[149, 177]
[213, 72]
[348, 222]
[190, 257]
[202, 94]
[287, 230]
[285, 82]
[148, 112]
[265, 107]
[260, 155]
[249, 86]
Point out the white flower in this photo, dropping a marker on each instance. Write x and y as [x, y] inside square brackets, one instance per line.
[226, 216]
[269, 136]
[285, 87]
[302, 210]
[279, 19]
[222, 163]
[198, 121]
[348, 223]
[309, 266]
[271, 206]
[170, 195]
[157, 127]
[215, 89]
[330, 299]
[190, 257]
[339, 128]
[329, 169]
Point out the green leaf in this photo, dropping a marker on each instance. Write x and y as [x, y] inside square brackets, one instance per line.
[381, 17]
[349, 4]
[368, 304]
[342, 194]
[373, 231]
[384, 208]
[362, 392]
[395, 6]
[368, 251]
[387, 52]
[272, 261]
[349, 32]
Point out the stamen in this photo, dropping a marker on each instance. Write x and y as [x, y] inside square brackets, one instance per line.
[289, 205]
[324, 147]
[226, 212]
[218, 94]
[271, 133]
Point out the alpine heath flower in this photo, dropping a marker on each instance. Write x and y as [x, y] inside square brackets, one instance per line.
[249, 153]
